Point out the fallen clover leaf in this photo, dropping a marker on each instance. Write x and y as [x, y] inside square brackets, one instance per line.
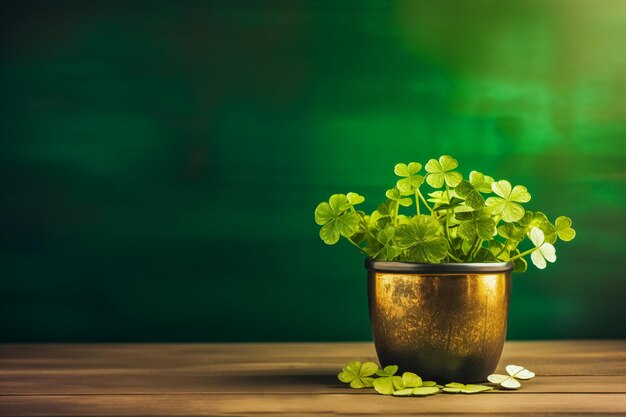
[511, 381]
[413, 385]
[388, 381]
[456, 387]
[358, 374]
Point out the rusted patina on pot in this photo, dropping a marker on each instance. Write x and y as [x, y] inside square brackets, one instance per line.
[445, 322]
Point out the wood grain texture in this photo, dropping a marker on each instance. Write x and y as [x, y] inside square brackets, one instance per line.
[573, 377]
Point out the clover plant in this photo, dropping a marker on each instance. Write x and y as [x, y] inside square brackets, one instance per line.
[464, 220]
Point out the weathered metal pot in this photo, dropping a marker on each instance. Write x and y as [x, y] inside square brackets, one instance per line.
[445, 322]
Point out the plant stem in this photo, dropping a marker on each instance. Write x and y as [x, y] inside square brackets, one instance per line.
[424, 201]
[395, 219]
[454, 257]
[523, 254]
[417, 201]
[480, 244]
[364, 223]
[470, 250]
[448, 216]
[503, 248]
[356, 246]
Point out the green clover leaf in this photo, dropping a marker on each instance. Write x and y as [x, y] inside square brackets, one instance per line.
[471, 190]
[512, 232]
[442, 171]
[506, 204]
[537, 219]
[395, 194]
[335, 220]
[411, 181]
[354, 198]
[545, 251]
[541, 221]
[438, 197]
[358, 374]
[564, 228]
[388, 251]
[413, 385]
[476, 223]
[421, 237]
[456, 387]
[387, 381]
[520, 264]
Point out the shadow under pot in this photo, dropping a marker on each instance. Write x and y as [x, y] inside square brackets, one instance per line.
[445, 322]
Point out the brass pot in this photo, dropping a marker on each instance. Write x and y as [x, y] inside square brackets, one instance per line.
[445, 322]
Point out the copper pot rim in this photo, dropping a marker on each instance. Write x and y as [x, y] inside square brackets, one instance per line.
[411, 267]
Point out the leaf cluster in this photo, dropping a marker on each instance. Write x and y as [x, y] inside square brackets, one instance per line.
[386, 382]
[476, 219]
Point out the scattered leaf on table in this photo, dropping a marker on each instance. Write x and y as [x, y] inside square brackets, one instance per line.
[387, 381]
[358, 374]
[510, 381]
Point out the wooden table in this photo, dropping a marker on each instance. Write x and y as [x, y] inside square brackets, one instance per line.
[573, 377]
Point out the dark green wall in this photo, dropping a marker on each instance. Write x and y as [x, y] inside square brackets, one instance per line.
[161, 160]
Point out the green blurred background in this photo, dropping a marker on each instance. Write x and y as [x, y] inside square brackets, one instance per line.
[161, 161]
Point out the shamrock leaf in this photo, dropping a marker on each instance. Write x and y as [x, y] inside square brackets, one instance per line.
[438, 197]
[484, 255]
[335, 220]
[476, 223]
[421, 237]
[411, 180]
[441, 171]
[511, 381]
[455, 204]
[456, 387]
[358, 374]
[388, 381]
[544, 252]
[511, 232]
[388, 251]
[470, 190]
[419, 391]
[354, 198]
[520, 265]
[541, 221]
[506, 204]
[564, 228]
[413, 385]
[394, 194]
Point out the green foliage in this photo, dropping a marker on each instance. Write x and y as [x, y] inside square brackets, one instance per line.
[421, 240]
[459, 224]
[456, 387]
[386, 382]
[357, 374]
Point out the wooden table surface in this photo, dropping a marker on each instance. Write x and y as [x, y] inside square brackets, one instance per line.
[573, 378]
